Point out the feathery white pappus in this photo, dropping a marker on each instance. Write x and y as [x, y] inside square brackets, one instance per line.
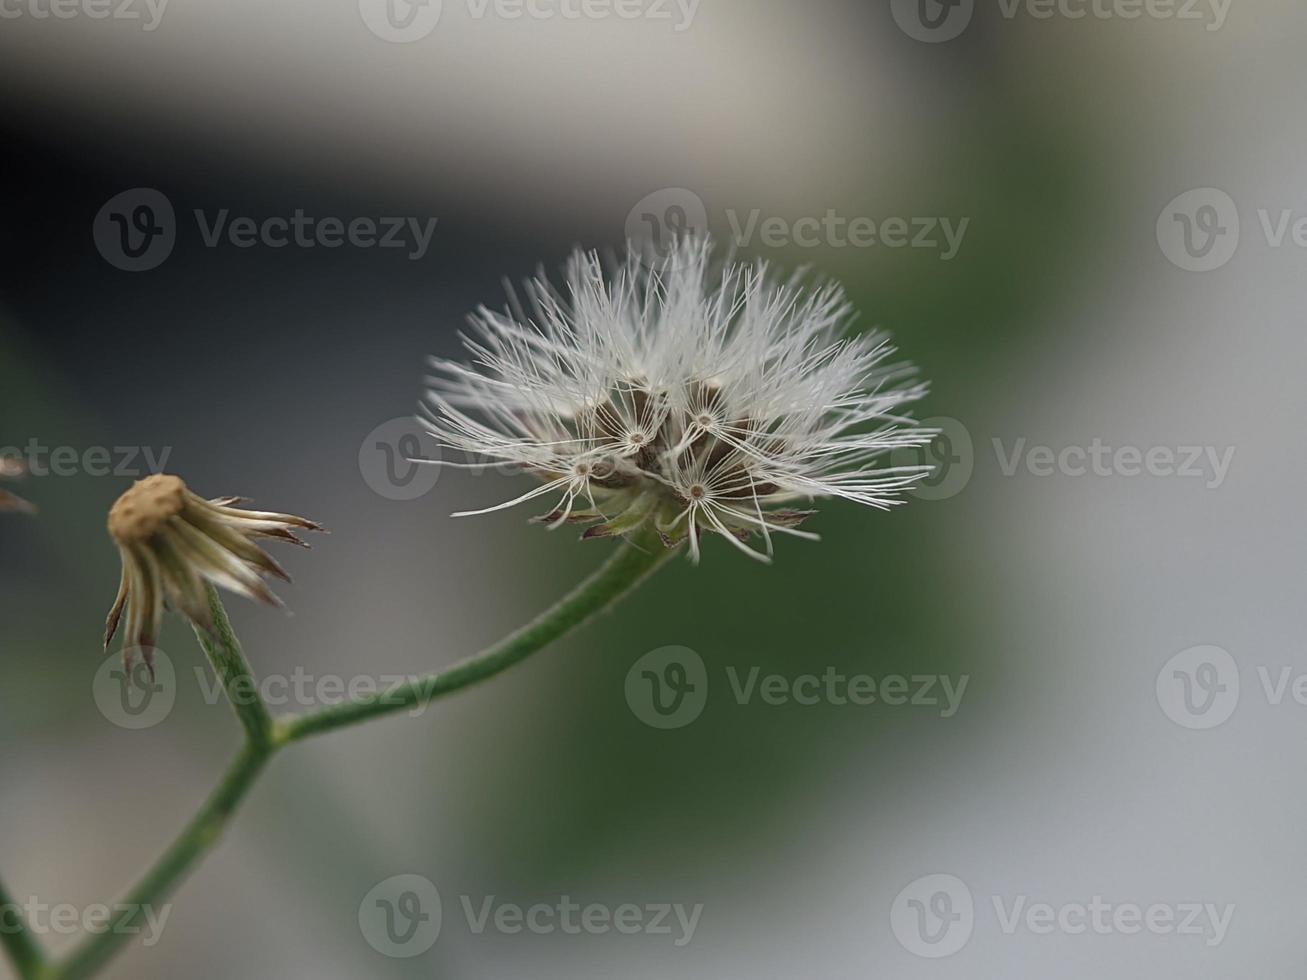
[696, 396]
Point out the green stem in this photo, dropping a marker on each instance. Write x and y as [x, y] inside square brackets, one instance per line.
[229, 663]
[625, 569]
[23, 951]
[200, 835]
[633, 561]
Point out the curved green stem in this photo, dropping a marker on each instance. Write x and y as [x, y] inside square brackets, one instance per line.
[634, 560]
[229, 663]
[23, 951]
[629, 566]
[200, 835]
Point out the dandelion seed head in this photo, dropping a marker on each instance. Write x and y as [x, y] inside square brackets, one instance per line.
[701, 398]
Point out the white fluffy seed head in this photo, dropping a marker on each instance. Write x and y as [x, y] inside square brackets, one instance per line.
[698, 397]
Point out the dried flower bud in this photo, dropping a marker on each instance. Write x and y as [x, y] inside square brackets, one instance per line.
[11, 468]
[173, 542]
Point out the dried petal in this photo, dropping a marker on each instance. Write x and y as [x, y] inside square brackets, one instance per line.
[172, 543]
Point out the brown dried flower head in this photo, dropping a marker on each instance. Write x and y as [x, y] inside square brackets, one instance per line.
[173, 543]
[12, 468]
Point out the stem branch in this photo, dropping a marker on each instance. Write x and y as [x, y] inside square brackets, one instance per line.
[23, 951]
[627, 567]
[200, 835]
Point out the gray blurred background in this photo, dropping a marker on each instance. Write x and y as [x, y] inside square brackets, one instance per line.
[1075, 312]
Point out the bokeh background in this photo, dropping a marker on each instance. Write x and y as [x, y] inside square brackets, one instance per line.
[1063, 318]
